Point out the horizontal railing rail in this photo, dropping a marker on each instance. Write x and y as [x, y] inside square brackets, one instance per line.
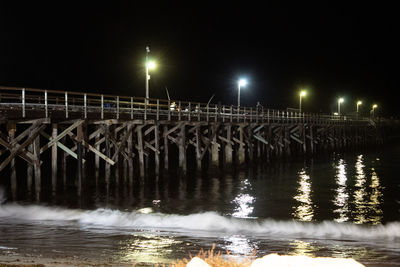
[102, 106]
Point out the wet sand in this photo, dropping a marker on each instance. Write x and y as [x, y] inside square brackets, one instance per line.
[30, 261]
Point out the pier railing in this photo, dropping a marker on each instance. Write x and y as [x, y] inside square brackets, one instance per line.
[38, 103]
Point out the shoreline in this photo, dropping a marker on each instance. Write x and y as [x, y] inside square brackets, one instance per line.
[38, 261]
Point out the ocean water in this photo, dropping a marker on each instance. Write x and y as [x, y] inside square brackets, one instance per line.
[335, 205]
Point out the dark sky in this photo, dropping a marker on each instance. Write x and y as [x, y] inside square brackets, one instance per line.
[332, 49]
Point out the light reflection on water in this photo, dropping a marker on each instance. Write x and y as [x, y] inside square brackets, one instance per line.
[367, 198]
[342, 196]
[352, 185]
[359, 195]
[304, 211]
[375, 199]
[239, 245]
[302, 248]
[148, 248]
[244, 201]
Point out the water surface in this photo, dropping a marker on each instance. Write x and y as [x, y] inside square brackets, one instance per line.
[339, 205]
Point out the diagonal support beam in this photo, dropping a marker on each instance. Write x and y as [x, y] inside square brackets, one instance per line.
[18, 149]
[26, 155]
[91, 148]
[122, 145]
[261, 139]
[61, 146]
[173, 129]
[209, 143]
[61, 135]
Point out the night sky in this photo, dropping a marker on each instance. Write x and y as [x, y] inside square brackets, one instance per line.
[331, 49]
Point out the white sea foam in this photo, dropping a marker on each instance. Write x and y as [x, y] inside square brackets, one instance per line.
[210, 222]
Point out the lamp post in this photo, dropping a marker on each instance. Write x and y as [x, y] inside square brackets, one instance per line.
[374, 106]
[149, 66]
[302, 93]
[340, 100]
[242, 82]
[358, 104]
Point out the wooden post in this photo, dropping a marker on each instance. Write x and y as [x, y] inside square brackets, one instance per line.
[198, 148]
[117, 164]
[214, 146]
[158, 110]
[45, 104]
[182, 148]
[166, 143]
[145, 109]
[117, 107]
[228, 146]
[97, 158]
[107, 172]
[54, 159]
[102, 107]
[12, 127]
[23, 102]
[64, 165]
[250, 144]
[79, 152]
[169, 110]
[268, 135]
[241, 152]
[66, 104]
[29, 171]
[85, 105]
[157, 147]
[131, 108]
[36, 152]
[140, 151]
[130, 161]
[79, 169]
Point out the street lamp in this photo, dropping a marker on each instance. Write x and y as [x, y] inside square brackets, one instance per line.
[374, 106]
[149, 66]
[242, 82]
[358, 104]
[340, 100]
[302, 93]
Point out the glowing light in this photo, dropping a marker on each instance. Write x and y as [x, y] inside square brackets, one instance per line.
[303, 93]
[359, 103]
[375, 106]
[151, 65]
[341, 100]
[242, 82]
[304, 211]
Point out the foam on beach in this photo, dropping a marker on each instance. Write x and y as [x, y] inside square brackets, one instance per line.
[210, 222]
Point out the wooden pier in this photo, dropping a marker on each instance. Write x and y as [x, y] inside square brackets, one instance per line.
[125, 133]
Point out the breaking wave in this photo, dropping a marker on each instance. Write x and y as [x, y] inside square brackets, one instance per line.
[210, 222]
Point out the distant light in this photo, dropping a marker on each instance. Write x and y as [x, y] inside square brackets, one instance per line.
[375, 106]
[341, 100]
[242, 82]
[151, 65]
[303, 93]
[335, 113]
[359, 103]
